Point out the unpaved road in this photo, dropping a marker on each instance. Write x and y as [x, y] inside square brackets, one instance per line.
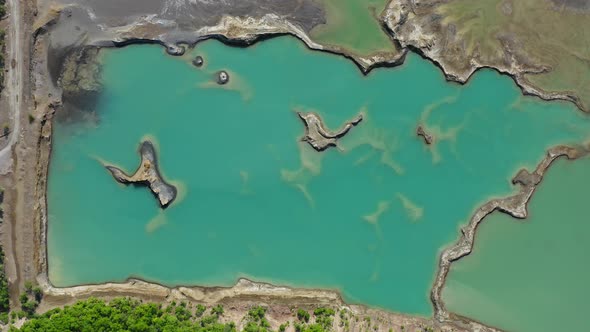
[14, 81]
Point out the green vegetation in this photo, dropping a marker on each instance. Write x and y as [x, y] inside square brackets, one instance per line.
[323, 317]
[29, 300]
[124, 314]
[2, 44]
[256, 320]
[323, 320]
[4, 295]
[562, 48]
[344, 321]
[303, 315]
[283, 327]
[200, 310]
[217, 310]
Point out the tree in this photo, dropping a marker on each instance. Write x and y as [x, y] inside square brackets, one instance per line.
[303, 315]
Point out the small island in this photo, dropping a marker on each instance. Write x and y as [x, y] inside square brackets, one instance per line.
[428, 138]
[320, 137]
[222, 77]
[147, 174]
[198, 61]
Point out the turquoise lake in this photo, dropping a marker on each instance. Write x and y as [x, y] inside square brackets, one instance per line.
[368, 218]
[531, 276]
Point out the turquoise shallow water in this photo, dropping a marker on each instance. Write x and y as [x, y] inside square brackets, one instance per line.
[533, 276]
[368, 218]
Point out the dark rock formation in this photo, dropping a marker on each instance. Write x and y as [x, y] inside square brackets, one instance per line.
[147, 174]
[198, 61]
[428, 138]
[222, 77]
[175, 50]
[320, 137]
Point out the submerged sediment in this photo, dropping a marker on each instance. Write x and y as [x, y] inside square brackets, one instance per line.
[147, 174]
[80, 83]
[318, 135]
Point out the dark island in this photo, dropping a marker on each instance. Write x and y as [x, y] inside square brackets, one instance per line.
[198, 61]
[428, 138]
[320, 137]
[147, 174]
[222, 77]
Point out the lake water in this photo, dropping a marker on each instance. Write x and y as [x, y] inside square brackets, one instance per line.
[368, 219]
[531, 276]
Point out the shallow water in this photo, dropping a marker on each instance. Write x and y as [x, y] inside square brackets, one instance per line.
[531, 276]
[368, 218]
[354, 25]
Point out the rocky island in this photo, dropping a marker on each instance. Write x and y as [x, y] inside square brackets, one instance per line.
[147, 174]
[318, 135]
[427, 137]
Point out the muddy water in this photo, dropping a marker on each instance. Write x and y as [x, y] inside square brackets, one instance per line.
[368, 218]
[531, 276]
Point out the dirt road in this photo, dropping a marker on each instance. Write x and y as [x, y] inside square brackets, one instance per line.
[14, 81]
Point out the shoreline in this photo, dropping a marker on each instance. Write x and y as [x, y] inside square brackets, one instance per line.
[397, 13]
[250, 32]
[516, 206]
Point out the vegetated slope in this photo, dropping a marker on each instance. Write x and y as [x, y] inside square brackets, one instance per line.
[545, 44]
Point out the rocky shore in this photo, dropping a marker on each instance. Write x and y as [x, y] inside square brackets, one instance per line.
[433, 30]
[318, 135]
[515, 205]
[282, 303]
[147, 174]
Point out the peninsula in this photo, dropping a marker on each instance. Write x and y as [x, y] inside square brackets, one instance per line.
[147, 174]
[318, 135]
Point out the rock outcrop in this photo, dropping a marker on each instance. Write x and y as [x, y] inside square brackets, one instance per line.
[320, 137]
[147, 174]
[222, 77]
[198, 61]
[428, 138]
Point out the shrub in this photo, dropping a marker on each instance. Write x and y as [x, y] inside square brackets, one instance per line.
[303, 315]
[217, 310]
[200, 310]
